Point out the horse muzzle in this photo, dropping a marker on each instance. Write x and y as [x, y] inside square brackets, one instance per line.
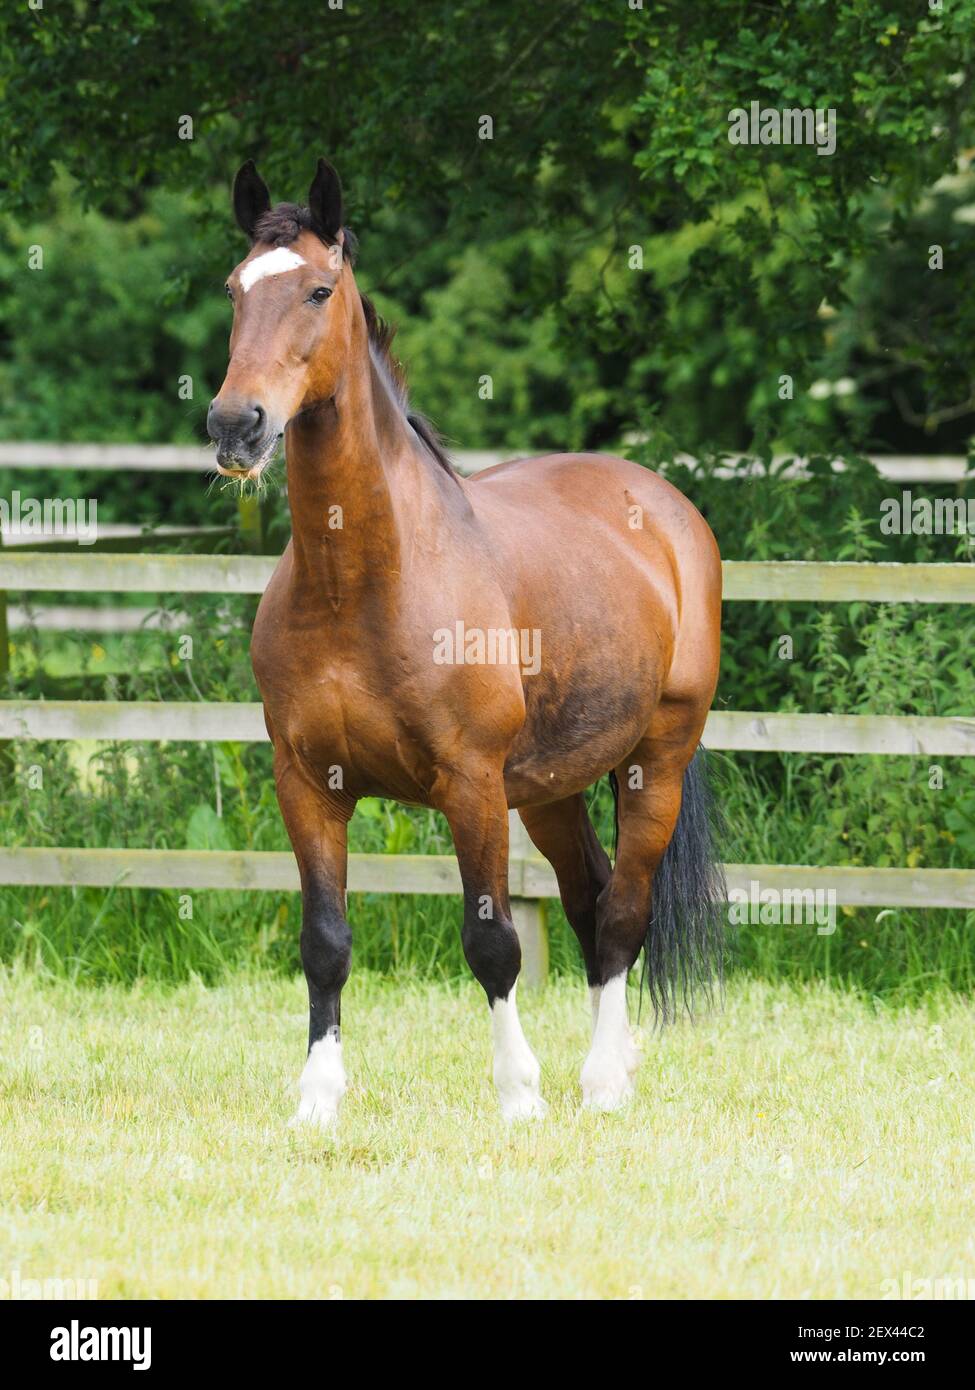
[244, 436]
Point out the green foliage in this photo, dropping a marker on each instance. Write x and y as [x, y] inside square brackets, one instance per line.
[475, 325]
[97, 340]
[205, 829]
[513, 256]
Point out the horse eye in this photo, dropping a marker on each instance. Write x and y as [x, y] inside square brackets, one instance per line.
[230, 293]
[320, 295]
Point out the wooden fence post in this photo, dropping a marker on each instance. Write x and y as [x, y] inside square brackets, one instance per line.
[528, 914]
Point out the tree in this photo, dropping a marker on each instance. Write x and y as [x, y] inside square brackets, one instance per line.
[600, 125]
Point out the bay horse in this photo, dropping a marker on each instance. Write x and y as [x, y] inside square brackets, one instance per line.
[469, 645]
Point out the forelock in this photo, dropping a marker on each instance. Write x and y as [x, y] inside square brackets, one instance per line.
[282, 225]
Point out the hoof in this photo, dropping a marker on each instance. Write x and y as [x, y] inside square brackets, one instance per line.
[606, 1099]
[606, 1087]
[631, 1054]
[522, 1103]
[314, 1115]
[519, 1093]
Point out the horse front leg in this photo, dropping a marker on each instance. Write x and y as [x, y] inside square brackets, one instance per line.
[317, 827]
[476, 810]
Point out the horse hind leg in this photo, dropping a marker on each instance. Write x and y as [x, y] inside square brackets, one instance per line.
[651, 784]
[622, 916]
[563, 832]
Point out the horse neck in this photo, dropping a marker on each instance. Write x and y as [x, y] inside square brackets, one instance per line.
[354, 484]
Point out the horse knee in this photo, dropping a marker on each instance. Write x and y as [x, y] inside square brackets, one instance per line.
[493, 953]
[326, 954]
[326, 948]
[621, 927]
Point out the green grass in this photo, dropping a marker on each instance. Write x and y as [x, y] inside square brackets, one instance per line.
[805, 1142]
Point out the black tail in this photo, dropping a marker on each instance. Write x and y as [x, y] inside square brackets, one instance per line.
[684, 949]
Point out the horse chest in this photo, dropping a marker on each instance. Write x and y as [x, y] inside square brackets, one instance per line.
[340, 717]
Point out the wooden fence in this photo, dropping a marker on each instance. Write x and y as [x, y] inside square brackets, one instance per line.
[531, 879]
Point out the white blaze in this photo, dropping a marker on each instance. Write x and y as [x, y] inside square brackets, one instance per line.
[274, 262]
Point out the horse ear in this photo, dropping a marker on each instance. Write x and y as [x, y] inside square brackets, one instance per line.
[325, 200]
[251, 198]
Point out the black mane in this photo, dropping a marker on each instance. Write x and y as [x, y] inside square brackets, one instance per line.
[282, 225]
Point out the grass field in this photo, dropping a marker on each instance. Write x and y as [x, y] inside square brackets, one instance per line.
[805, 1142]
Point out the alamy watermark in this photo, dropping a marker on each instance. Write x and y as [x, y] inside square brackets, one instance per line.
[786, 907]
[461, 645]
[75, 518]
[908, 515]
[767, 125]
[77, 1343]
[910, 1288]
[15, 1288]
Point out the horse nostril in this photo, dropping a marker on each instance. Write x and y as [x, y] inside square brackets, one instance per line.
[247, 423]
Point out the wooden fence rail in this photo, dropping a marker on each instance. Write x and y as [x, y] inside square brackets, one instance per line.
[530, 877]
[799, 581]
[731, 730]
[191, 458]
